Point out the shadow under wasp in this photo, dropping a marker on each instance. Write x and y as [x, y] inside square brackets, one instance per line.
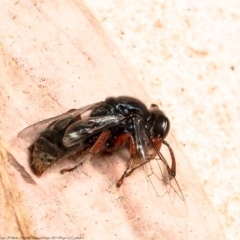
[110, 125]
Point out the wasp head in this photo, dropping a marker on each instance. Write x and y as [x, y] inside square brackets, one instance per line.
[160, 123]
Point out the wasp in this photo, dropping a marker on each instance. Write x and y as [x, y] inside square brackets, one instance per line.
[109, 126]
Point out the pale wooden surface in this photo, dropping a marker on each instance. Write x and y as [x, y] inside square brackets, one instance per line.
[53, 60]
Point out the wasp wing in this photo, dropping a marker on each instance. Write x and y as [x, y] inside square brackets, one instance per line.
[82, 129]
[162, 186]
[79, 131]
[154, 172]
[34, 130]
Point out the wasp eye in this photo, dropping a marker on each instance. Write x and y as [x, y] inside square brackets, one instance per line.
[161, 124]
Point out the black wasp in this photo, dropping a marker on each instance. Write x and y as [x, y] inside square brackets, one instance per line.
[110, 125]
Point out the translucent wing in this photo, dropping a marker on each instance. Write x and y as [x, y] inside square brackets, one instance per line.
[34, 130]
[163, 188]
[82, 129]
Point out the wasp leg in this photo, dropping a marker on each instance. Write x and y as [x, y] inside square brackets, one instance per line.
[99, 144]
[172, 170]
[138, 166]
[157, 143]
[118, 143]
[96, 148]
[120, 181]
[62, 171]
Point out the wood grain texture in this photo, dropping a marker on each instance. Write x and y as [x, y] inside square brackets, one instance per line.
[54, 57]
